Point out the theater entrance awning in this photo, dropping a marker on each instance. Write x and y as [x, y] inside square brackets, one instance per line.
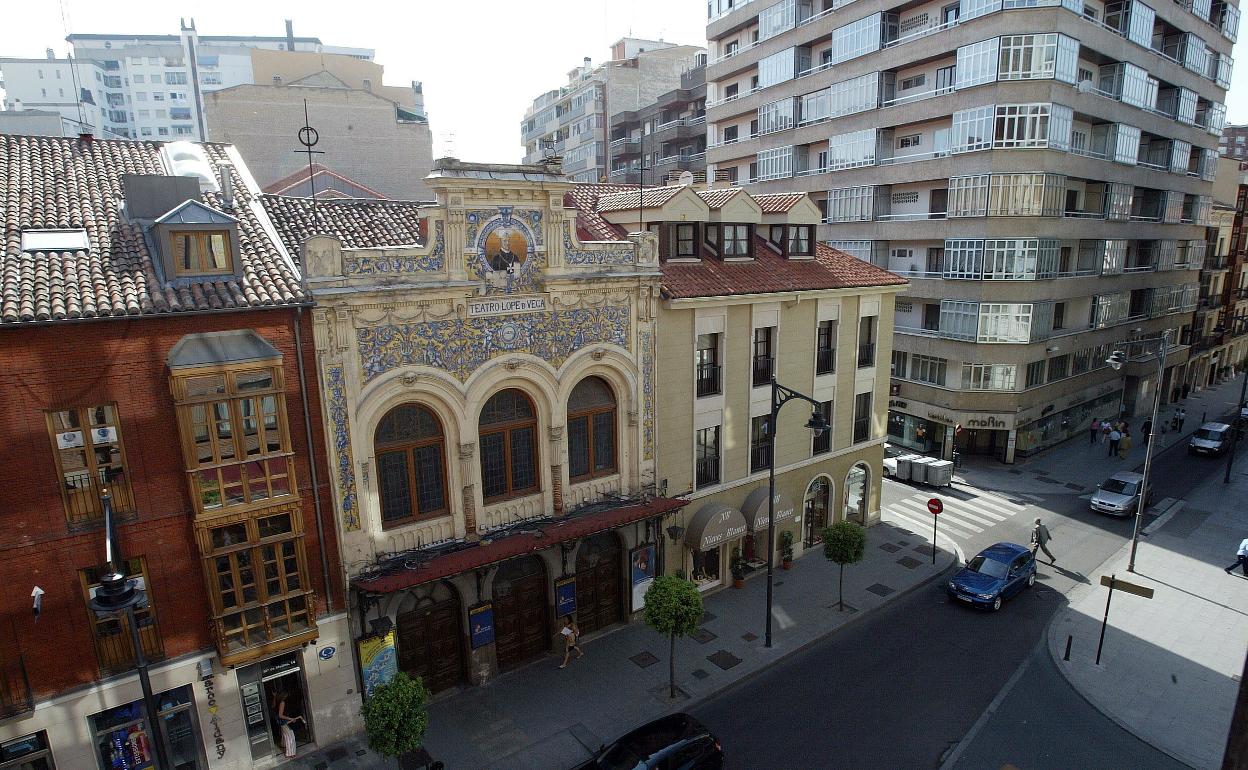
[414, 570]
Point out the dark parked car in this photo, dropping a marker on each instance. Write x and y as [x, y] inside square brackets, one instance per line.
[675, 742]
[994, 575]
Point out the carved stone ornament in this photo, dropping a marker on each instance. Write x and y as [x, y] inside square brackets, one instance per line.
[410, 379]
[513, 364]
[556, 433]
[598, 354]
[467, 450]
[632, 417]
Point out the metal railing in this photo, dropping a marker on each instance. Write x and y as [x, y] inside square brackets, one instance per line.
[825, 361]
[15, 694]
[762, 369]
[866, 354]
[707, 471]
[760, 458]
[710, 380]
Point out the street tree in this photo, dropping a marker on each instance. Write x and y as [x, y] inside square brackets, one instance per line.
[395, 716]
[844, 543]
[673, 607]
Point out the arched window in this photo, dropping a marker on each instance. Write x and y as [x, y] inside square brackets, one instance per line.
[411, 473]
[508, 431]
[857, 485]
[591, 430]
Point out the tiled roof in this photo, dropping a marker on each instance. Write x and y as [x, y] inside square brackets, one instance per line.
[58, 182]
[650, 198]
[300, 178]
[590, 226]
[359, 224]
[777, 203]
[770, 273]
[717, 198]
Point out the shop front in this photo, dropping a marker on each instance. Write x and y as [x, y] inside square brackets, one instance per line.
[122, 735]
[817, 509]
[756, 513]
[270, 690]
[1056, 426]
[715, 531]
[917, 433]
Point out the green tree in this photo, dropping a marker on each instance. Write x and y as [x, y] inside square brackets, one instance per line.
[844, 543]
[395, 717]
[673, 607]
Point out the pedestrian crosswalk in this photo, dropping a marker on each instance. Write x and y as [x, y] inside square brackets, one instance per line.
[960, 518]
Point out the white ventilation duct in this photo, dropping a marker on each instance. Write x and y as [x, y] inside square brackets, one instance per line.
[188, 159]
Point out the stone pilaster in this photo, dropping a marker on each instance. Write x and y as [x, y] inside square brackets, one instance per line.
[556, 469]
[466, 454]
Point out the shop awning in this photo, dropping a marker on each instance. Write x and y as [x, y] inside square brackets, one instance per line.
[755, 509]
[714, 524]
[412, 569]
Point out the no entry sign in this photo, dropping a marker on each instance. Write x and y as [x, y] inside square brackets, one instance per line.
[935, 505]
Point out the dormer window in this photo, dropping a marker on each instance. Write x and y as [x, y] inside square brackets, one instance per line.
[685, 241]
[204, 252]
[801, 240]
[736, 241]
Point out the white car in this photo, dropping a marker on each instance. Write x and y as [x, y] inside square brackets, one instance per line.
[891, 453]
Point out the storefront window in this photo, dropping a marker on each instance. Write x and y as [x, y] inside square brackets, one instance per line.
[706, 566]
[1056, 427]
[27, 753]
[914, 432]
[856, 494]
[123, 736]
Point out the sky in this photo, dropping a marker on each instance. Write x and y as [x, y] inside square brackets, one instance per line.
[481, 62]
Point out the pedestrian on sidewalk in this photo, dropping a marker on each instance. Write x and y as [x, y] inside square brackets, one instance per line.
[1124, 444]
[1094, 430]
[570, 635]
[1115, 436]
[1241, 558]
[1106, 427]
[1148, 431]
[1182, 415]
[1040, 538]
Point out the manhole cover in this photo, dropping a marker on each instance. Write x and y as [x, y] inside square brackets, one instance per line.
[908, 562]
[724, 659]
[644, 659]
[890, 547]
[700, 673]
[750, 637]
[879, 589]
[702, 636]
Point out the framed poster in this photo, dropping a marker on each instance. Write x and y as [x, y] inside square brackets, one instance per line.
[641, 573]
[378, 661]
[481, 625]
[565, 597]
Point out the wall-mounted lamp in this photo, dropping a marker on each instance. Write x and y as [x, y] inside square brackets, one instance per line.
[675, 533]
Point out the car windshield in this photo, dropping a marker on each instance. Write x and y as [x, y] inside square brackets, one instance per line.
[1118, 486]
[1208, 435]
[985, 566]
[892, 451]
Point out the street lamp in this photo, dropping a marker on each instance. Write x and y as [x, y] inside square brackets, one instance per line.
[119, 595]
[780, 396]
[1116, 360]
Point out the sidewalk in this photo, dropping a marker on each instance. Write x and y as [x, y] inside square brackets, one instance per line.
[1170, 665]
[541, 717]
[1075, 466]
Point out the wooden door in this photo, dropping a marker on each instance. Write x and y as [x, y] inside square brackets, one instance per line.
[599, 585]
[521, 625]
[430, 645]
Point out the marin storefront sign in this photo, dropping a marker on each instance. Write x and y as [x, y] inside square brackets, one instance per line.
[506, 305]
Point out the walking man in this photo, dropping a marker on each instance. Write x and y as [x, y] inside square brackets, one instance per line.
[1148, 431]
[1241, 559]
[1040, 538]
[1094, 430]
[1182, 415]
[570, 634]
[1115, 436]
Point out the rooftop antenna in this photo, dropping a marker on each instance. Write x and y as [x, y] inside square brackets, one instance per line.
[73, 71]
[448, 144]
[308, 137]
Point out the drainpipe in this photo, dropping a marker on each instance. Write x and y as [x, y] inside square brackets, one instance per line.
[316, 485]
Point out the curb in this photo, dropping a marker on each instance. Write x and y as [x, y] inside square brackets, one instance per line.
[1049, 642]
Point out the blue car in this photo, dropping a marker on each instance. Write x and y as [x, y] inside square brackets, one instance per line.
[994, 575]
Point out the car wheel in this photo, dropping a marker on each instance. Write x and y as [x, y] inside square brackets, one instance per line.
[996, 604]
[1031, 580]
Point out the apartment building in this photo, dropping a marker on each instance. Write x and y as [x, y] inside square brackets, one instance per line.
[1234, 142]
[572, 121]
[658, 142]
[1042, 172]
[1220, 326]
[145, 86]
[749, 296]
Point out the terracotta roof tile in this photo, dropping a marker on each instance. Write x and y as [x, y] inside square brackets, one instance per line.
[590, 225]
[300, 177]
[652, 197]
[359, 224]
[62, 183]
[777, 203]
[717, 198]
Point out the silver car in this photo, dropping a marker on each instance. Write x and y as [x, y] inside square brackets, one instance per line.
[1118, 495]
[1212, 438]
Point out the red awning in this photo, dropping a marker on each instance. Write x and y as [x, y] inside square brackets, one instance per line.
[548, 533]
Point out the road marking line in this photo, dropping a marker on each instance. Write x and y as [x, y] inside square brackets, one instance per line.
[977, 512]
[950, 517]
[958, 510]
[924, 528]
[987, 509]
[1006, 502]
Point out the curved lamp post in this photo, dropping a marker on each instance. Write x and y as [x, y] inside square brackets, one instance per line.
[1116, 360]
[119, 595]
[780, 396]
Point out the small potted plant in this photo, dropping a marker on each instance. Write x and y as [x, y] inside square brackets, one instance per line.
[737, 567]
[786, 550]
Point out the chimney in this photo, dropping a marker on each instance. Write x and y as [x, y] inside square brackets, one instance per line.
[290, 34]
[227, 184]
[51, 53]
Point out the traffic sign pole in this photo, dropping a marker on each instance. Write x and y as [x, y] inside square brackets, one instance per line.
[935, 506]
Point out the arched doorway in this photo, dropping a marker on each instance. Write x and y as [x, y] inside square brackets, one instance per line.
[856, 486]
[430, 639]
[817, 506]
[599, 586]
[521, 615]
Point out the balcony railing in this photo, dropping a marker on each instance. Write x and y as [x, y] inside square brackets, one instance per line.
[707, 469]
[709, 380]
[15, 695]
[825, 361]
[114, 648]
[763, 368]
[82, 492]
[760, 458]
[866, 354]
